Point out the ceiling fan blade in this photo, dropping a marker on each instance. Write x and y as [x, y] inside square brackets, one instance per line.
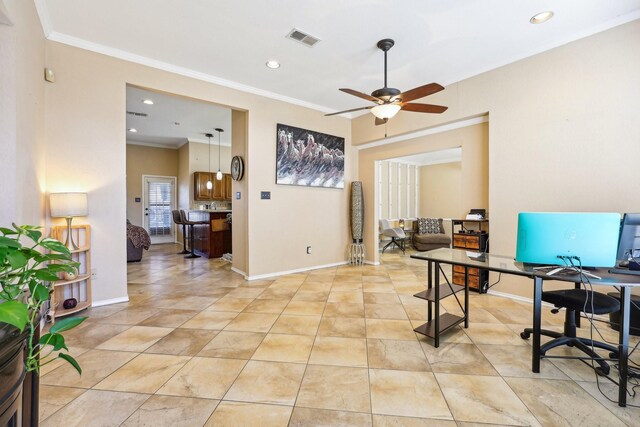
[380, 121]
[348, 111]
[420, 92]
[362, 95]
[424, 108]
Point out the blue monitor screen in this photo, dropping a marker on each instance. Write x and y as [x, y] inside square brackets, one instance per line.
[543, 236]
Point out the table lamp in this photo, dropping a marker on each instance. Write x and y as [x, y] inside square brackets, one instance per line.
[68, 205]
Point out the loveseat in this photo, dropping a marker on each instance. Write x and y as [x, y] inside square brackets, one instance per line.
[433, 239]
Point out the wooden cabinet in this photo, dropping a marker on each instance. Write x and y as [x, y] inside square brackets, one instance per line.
[221, 189]
[200, 190]
[78, 287]
[476, 241]
[213, 238]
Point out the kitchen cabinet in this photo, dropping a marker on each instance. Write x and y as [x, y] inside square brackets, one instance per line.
[221, 189]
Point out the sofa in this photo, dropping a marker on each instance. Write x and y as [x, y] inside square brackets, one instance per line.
[137, 240]
[430, 241]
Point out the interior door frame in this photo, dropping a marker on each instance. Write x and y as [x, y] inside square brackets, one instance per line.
[173, 204]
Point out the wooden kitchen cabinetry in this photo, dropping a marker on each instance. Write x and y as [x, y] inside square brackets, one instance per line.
[221, 189]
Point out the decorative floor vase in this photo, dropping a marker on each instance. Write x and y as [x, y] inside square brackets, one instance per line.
[356, 248]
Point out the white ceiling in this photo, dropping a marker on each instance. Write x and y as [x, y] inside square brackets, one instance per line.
[432, 158]
[195, 118]
[228, 42]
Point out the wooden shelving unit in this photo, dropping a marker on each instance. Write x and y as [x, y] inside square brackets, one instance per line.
[474, 240]
[78, 287]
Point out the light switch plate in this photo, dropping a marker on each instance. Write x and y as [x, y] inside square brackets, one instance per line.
[265, 195]
[237, 195]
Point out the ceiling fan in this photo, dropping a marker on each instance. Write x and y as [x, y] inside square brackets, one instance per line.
[390, 100]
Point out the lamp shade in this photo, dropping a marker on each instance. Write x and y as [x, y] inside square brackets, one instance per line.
[385, 111]
[68, 204]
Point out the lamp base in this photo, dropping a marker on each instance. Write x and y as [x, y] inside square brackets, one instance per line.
[69, 243]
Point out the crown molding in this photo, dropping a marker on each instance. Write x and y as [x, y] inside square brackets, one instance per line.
[151, 144]
[43, 14]
[160, 65]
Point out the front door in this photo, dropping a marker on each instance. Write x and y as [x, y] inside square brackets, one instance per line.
[159, 200]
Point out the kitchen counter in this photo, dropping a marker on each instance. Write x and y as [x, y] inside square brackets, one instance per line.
[211, 210]
[212, 239]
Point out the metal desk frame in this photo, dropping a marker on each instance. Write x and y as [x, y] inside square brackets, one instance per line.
[507, 265]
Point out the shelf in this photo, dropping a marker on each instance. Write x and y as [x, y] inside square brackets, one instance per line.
[445, 291]
[447, 321]
[79, 250]
[80, 278]
[82, 305]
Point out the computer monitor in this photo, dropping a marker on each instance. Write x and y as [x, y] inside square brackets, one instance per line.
[629, 245]
[543, 236]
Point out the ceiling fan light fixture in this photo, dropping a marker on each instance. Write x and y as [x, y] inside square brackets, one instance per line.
[385, 111]
[541, 17]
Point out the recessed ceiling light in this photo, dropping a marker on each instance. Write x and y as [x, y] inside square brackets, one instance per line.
[134, 130]
[273, 64]
[541, 17]
[147, 101]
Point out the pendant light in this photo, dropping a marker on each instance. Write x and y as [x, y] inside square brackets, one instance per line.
[219, 174]
[209, 183]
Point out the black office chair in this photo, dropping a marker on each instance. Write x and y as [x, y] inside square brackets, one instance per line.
[178, 220]
[573, 301]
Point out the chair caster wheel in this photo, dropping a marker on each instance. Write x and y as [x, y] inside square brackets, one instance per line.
[525, 335]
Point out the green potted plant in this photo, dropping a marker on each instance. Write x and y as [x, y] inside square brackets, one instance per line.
[29, 265]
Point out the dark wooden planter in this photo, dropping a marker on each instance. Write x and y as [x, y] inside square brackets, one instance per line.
[18, 389]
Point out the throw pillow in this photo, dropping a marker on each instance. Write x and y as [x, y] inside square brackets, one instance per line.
[428, 226]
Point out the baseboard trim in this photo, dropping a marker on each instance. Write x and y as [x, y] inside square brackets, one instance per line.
[109, 301]
[240, 272]
[297, 270]
[371, 262]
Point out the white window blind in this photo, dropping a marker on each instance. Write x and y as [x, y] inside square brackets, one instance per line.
[160, 196]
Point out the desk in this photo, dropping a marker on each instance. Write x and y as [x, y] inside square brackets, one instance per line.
[508, 265]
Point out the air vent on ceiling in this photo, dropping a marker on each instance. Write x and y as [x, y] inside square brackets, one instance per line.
[303, 38]
[133, 113]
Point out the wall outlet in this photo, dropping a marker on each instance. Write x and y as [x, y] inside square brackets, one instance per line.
[94, 273]
[308, 250]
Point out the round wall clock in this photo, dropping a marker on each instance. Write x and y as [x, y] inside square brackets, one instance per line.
[237, 168]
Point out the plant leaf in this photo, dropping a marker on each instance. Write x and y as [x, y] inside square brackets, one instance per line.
[41, 293]
[14, 313]
[17, 259]
[55, 246]
[54, 340]
[66, 324]
[11, 243]
[7, 231]
[46, 275]
[34, 235]
[71, 360]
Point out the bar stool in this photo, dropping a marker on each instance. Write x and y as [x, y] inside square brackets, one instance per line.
[185, 220]
[178, 220]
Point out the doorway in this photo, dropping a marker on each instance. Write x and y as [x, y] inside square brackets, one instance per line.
[159, 199]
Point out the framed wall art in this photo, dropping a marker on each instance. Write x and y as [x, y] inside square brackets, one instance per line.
[309, 158]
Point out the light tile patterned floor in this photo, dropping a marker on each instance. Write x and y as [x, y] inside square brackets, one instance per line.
[197, 345]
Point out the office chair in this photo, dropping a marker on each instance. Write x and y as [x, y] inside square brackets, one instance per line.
[398, 237]
[573, 301]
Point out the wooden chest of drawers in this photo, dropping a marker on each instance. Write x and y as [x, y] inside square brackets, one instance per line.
[476, 242]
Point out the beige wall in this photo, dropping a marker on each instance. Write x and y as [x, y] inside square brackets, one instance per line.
[240, 230]
[94, 132]
[441, 190]
[22, 135]
[472, 139]
[563, 132]
[143, 160]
